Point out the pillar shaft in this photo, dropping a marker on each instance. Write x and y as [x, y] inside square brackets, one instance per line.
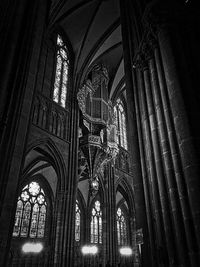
[141, 219]
[149, 198]
[184, 141]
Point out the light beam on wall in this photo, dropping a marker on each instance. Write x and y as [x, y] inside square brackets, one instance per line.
[89, 250]
[32, 247]
[126, 251]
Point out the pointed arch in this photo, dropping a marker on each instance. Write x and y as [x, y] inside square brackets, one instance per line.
[52, 154]
[123, 186]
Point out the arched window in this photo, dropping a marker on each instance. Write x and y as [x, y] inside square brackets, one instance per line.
[77, 223]
[121, 228]
[30, 216]
[96, 223]
[62, 72]
[121, 121]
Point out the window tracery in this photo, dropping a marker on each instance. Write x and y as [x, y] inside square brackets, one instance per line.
[30, 216]
[62, 73]
[96, 223]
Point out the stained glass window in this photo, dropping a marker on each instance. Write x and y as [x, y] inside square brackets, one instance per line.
[96, 223]
[77, 223]
[121, 228]
[30, 213]
[121, 121]
[61, 76]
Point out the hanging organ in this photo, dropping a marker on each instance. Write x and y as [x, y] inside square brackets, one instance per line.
[98, 126]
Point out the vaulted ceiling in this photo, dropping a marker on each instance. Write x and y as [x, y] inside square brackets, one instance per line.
[93, 28]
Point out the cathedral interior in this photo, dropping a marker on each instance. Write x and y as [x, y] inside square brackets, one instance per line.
[99, 133]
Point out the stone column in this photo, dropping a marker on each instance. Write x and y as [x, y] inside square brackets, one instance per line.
[71, 187]
[23, 33]
[135, 161]
[155, 172]
[176, 164]
[111, 219]
[152, 216]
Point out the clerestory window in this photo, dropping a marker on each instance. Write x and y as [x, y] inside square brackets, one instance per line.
[62, 73]
[121, 122]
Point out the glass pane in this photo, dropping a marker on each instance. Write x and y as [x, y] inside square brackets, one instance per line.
[34, 188]
[64, 84]
[63, 53]
[18, 217]
[25, 195]
[59, 41]
[40, 199]
[57, 79]
[26, 220]
[92, 230]
[34, 221]
[100, 230]
[118, 232]
[41, 222]
[77, 224]
[97, 205]
[119, 212]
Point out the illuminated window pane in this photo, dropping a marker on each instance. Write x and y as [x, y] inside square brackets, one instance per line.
[120, 113]
[41, 223]
[30, 213]
[92, 230]
[34, 221]
[96, 223]
[18, 217]
[25, 219]
[121, 228]
[77, 223]
[61, 76]
[57, 79]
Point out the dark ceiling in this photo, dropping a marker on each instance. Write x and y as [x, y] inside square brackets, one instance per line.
[93, 28]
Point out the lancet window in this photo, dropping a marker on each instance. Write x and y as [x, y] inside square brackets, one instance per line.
[31, 212]
[121, 228]
[121, 121]
[62, 73]
[96, 223]
[77, 223]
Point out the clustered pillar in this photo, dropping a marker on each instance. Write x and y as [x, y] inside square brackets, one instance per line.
[166, 139]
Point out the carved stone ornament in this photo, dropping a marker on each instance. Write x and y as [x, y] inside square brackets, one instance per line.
[86, 89]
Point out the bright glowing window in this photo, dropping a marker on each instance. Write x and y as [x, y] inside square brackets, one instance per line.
[96, 224]
[30, 216]
[77, 223]
[121, 121]
[62, 72]
[121, 228]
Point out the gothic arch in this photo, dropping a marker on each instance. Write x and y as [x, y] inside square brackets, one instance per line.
[125, 189]
[52, 155]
